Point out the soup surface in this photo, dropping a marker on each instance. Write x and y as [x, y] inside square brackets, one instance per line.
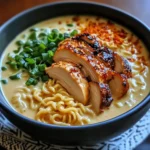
[49, 102]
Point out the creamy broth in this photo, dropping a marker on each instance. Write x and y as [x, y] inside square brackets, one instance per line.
[139, 84]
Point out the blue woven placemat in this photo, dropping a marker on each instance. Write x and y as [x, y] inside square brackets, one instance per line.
[13, 138]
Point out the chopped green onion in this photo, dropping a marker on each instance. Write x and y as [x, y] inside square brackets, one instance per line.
[16, 51]
[10, 56]
[42, 46]
[66, 35]
[33, 36]
[54, 49]
[42, 67]
[29, 43]
[61, 37]
[18, 57]
[45, 78]
[52, 44]
[20, 42]
[38, 59]
[21, 62]
[28, 49]
[45, 56]
[30, 61]
[55, 31]
[70, 25]
[31, 81]
[34, 71]
[8, 62]
[4, 81]
[24, 55]
[13, 65]
[3, 68]
[34, 29]
[15, 76]
[74, 32]
[51, 53]
[47, 31]
[36, 53]
[42, 34]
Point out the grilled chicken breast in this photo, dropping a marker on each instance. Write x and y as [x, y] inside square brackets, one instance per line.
[105, 55]
[73, 51]
[71, 78]
[99, 64]
[119, 85]
[100, 96]
[122, 65]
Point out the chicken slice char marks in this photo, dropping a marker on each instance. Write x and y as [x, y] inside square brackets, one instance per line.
[119, 85]
[105, 55]
[78, 52]
[73, 51]
[100, 96]
[97, 63]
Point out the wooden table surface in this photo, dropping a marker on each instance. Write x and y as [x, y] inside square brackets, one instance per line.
[139, 8]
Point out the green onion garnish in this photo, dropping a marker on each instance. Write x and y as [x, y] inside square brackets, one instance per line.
[74, 32]
[15, 76]
[70, 25]
[31, 81]
[36, 53]
[4, 81]
[3, 68]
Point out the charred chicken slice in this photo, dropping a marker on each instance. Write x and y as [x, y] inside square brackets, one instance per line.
[70, 52]
[100, 96]
[71, 78]
[89, 39]
[119, 85]
[105, 55]
[122, 65]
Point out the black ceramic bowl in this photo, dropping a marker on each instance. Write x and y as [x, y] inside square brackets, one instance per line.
[88, 134]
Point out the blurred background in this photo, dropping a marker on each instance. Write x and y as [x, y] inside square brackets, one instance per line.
[139, 8]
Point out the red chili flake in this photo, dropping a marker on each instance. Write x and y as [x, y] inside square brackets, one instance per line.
[122, 33]
[59, 22]
[87, 19]
[76, 18]
[117, 40]
[136, 42]
[132, 51]
[130, 38]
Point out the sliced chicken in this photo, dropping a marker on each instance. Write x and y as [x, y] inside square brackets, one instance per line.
[122, 65]
[105, 55]
[89, 39]
[100, 96]
[119, 85]
[70, 52]
[71, 78]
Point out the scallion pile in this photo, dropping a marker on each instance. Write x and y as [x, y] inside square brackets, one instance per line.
[35, 54]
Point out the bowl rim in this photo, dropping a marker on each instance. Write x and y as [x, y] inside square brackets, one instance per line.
[87, 126]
